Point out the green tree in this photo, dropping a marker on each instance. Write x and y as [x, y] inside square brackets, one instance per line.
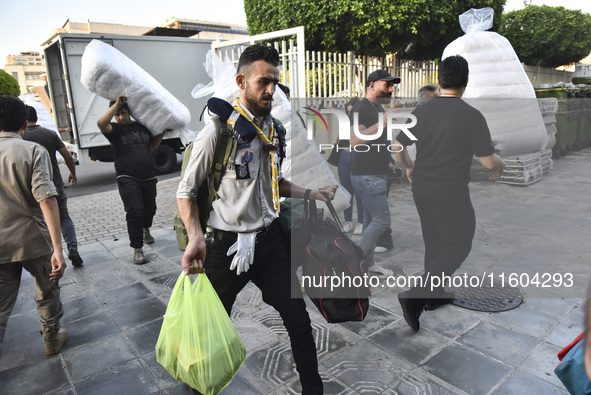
[418, 29]
[8, 85]
[548, 36]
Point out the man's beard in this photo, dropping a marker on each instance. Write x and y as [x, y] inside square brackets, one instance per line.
[258, 109]
[384, 98]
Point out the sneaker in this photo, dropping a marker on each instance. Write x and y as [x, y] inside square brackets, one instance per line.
[75, 258]
[380, 250]
[411, 310]
[380, 271]
[358, 229]
[148, 239]
[347, 227]
[54, 341]
[138, 257]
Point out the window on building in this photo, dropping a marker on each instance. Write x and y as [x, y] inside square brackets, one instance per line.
[32, 75]
[15, 75]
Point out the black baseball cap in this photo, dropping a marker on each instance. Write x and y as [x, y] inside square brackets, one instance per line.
[382, 75]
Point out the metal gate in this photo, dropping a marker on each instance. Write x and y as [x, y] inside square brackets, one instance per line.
[290, 45]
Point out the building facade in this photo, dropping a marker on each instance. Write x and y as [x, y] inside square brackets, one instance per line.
[28, 68]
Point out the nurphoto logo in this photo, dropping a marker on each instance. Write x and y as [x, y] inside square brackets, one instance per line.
[394, 121]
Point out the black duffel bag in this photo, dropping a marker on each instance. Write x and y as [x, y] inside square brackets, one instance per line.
[334, 268]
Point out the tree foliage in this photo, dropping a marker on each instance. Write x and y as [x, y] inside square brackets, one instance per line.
[548, 36]
[418, 29]
[8, 85]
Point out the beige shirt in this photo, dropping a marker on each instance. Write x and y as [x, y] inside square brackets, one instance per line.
[25, 180]
[245, 201]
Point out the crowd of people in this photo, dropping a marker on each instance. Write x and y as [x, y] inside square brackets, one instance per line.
[246, 244]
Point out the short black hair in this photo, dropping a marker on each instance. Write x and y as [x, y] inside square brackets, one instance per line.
[123, 106]
[453, 72]
[32, 117]
[258, 52]
[13, 114]
[426, 90]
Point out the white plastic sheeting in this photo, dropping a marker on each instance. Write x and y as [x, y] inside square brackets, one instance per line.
[304, 165]
[498, 86]
[109, 74]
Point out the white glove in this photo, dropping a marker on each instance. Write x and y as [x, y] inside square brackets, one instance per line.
[244, 249]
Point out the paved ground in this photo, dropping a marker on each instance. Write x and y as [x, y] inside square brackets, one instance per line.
[113, 309]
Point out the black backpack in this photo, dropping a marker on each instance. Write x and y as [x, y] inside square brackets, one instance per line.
[329, 253]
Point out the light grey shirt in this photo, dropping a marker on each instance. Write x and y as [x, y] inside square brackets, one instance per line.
[245, 201]
[25, 180]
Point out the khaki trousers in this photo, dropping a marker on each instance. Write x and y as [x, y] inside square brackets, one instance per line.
[47, 293]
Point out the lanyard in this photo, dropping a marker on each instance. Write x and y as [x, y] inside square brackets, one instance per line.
[273, 145]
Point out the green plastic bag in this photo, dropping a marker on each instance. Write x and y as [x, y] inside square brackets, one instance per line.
[198, 344]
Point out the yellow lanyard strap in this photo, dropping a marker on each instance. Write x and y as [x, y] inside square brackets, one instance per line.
[273, 145]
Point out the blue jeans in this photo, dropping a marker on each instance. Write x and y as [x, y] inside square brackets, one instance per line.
[68, 230]
[376, 213]
[345, 159]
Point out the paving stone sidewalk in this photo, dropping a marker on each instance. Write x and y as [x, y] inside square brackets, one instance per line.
[113, 309]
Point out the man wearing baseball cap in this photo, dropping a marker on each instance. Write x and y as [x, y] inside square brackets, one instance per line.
[370, 164]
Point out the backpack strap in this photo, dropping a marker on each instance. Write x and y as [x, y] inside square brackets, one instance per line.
[224, 151]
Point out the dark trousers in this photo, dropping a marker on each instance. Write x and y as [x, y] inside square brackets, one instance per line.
[271, 273]
[448, 224]
[139, 201]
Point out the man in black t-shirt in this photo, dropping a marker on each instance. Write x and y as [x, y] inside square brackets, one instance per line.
[132, 143]
[449, 133]
[53, 143]
[370, 163]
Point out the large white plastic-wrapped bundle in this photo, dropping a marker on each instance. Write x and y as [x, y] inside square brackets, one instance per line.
[304, 165]
[498, 86]
[109, 73]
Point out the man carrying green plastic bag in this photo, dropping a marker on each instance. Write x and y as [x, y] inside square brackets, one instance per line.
[246, 243]
[198, 344]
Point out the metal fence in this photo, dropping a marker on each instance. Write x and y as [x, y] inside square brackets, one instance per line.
[332, 77]
[329, 79]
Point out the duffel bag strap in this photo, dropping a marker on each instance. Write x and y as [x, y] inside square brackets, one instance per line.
[333, 212]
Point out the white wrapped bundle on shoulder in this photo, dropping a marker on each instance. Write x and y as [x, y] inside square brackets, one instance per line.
[498, 86]
[303, 165]
[109, 74]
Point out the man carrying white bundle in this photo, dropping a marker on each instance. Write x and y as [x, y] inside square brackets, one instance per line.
[132, 143]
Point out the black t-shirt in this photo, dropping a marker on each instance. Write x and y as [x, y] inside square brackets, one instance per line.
[372, 157]
[131, 149]
[449, 132]
[52, 143]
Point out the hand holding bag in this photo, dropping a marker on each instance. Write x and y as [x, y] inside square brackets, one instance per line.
[198, 344]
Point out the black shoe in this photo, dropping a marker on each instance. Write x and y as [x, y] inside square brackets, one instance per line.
[75, 258]
[411, 309]
[446, 298]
